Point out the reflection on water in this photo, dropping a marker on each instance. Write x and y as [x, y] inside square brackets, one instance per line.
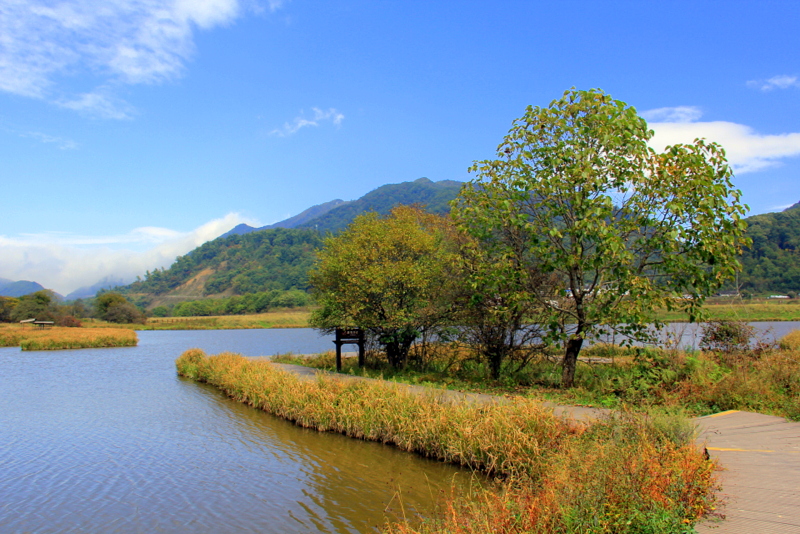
[111, 440]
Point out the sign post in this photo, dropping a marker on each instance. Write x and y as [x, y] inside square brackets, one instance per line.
[349, 336]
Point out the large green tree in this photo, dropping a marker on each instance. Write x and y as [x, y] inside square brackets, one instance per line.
[624, 230]
[386, 275]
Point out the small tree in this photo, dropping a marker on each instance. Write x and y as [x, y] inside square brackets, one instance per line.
[115, 308]
[624, 230]
[386, 275]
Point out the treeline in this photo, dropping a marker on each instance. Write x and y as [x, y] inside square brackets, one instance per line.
[44, 306]
[259, 302]
[772, 263]
[275, 259]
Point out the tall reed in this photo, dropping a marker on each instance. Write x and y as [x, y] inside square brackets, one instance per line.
[617, 475]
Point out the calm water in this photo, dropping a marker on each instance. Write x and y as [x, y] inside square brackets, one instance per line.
[111, 440]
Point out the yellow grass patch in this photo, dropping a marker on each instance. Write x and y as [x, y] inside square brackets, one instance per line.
[28, 338]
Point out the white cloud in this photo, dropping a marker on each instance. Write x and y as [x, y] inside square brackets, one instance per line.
[117, 41]
[676, 114]
[293, 127]
[782, 81]
[65, 262]
[63, 144]
[746, 149]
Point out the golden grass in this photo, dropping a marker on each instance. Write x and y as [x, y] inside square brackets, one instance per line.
[791, 341]
[622, 475]
[55, 338]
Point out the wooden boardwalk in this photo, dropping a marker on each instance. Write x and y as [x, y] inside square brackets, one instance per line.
[759, 455]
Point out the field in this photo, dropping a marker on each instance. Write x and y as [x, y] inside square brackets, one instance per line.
[744, 310]
[55, 338]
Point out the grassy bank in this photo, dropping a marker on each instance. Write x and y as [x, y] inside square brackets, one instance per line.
[743, 310]
[697, 383]
[646, 474]
[56, 338]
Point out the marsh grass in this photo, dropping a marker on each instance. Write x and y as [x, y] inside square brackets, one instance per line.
[766, 379]
[625, 474]
[66, 338]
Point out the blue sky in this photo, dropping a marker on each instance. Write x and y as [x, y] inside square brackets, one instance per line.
[133, 130]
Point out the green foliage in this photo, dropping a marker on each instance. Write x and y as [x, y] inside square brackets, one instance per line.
[622, 229]
[115, 308]
[434, 196]
[40, 305]
[7, 305]
[386, 275]
[259, 261]
[772, 261]
[237, 305]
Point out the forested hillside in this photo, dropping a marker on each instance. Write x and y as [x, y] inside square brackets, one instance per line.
[772, 263]
[239, 264]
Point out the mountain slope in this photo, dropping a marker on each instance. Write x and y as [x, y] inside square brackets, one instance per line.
[772, 263]
[248, 260]
[19, 288]
[435, 196]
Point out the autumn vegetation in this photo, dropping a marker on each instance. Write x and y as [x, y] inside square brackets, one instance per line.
[646, 473]
[55, 338]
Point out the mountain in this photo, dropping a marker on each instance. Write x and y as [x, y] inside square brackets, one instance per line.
[276, 257]
[90, 291]
[772, 263]
[19, 288]
[435, 196]
[292, 222]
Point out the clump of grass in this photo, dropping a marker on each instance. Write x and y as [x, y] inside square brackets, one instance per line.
[618, 475]
[791, 341]
[67, 338]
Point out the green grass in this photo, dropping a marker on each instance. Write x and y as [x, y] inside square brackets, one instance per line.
[694, 383]
[646, 473]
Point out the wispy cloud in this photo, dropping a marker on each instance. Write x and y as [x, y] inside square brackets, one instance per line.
[65, 262]
[60, 142]
[746, 149]
[116, 41]
[782, 81]
[301, 121]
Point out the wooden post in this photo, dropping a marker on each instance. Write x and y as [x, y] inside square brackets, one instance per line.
[350, 336]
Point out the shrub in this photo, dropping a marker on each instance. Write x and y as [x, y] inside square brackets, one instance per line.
[726, 336]
[69, 320]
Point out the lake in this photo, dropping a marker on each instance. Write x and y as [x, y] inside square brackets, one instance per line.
[112, 440]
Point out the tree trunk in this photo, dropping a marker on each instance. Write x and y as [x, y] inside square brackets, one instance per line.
[570, 361]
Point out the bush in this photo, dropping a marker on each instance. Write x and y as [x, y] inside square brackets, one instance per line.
[726, 336]
[69, 320]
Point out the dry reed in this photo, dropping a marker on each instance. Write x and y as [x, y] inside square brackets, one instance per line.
[621, 475]
[66, 338]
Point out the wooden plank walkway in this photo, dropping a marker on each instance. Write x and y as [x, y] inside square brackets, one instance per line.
[759, 455]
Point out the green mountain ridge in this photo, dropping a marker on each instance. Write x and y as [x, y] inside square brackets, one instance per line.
[279, 258]
[249, 260]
